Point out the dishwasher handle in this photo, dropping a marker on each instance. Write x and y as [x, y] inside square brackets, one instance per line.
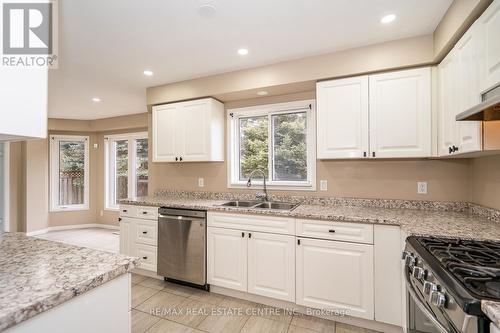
[178, 218]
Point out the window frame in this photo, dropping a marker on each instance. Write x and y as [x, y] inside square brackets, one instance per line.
[109, 164]
[54, 173]
[233, 144]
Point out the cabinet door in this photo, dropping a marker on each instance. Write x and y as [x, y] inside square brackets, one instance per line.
[342, 118]
[489, 27]
[335, 275]
[469, 78]
[125, 236]
[164, 133]
[227, 258]
[447, 92]
[271, 266]
[194, 125]
[400, 113]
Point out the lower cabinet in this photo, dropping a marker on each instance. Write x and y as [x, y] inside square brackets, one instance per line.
[125, 236]
[335, 275]
[254, 262]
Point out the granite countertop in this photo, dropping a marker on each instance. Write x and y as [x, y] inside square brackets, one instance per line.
[492, 310]
[37, 275]
[413, 221]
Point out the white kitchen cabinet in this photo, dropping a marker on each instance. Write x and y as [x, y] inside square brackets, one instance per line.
[191, 131]
[227, 258]
[23, 102]
[469, 77]
[335, 275]
[447, 104]
[489, 27]
[342, 118]
[385, 115]
[400, 114]
[271, 266]
[388, 274]
[125, 236]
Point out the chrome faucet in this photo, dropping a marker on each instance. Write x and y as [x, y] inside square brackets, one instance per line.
[262, 196]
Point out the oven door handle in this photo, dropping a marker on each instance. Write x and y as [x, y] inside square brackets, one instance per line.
[422, 307]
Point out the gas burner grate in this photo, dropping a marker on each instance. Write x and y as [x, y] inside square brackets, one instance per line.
[476, 264]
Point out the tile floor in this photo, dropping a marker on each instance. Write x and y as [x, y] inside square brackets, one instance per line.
[94, 238]
[160, 306]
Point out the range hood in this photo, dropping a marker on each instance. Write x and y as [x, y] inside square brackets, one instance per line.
[487, 110]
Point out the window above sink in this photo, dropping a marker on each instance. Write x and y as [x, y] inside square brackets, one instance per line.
[278, 139]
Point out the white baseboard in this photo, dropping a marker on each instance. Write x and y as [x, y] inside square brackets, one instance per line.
[69, 227]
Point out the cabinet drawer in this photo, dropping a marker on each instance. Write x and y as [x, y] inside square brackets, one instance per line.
[128, 210]
[342, 231]
[264, 223]
[146, 232]
[147, 255]
[150, 213]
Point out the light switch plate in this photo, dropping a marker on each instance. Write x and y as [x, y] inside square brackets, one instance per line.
[201, 182]
[422, 187]
[323, 185]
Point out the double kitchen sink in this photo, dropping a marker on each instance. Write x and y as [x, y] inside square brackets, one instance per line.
[268, 205]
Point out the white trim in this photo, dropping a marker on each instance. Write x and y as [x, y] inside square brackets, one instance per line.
[54, 175]
[71, 227]
[262, 110]
[6, 194]
[109, 162]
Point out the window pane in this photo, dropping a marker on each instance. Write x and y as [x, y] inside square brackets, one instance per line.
[121, 170]
[254, 147]
[290, 147]
[141, 167]
[71, 173]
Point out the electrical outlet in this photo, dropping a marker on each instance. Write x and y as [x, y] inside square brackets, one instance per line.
[96, 145]
[422, 187]
[323, 185]
[201, 182]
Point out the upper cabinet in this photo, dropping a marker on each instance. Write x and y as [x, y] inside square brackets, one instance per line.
[342, 118]
[386, 115]
[489, 26]
[23, 103]
[191, 131]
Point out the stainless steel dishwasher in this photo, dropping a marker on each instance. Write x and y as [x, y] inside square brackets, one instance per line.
[182, 243]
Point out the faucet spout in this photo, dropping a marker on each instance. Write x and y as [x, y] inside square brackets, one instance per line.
[249, 183]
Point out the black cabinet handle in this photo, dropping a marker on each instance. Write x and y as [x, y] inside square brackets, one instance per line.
[373, 154]
[176, 159]
[298, 241]
[450, 150]
[180, 159]
[249, 235]
[124, 210]
[145, 258]
[331, 230]
[119, 219]
[242, 234]
[144, 232]
[364, 154]
[455, 149]
[144, 213]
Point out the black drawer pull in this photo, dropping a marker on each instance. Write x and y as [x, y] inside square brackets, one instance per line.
[124, 210]
[331, 230]
[144, 232]
[144, 213]
[249, 235]
[145, 258]
[242, 234]
[119, 219]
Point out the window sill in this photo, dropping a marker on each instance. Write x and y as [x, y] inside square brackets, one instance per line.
[258, 187]
[62, 210]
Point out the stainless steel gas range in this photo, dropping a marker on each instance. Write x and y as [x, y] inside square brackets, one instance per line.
[446, 280]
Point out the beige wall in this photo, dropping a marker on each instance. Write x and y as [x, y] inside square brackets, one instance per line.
[485, 181]
[36, 186]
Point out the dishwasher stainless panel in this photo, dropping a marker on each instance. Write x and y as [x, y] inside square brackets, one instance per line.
[182, 238]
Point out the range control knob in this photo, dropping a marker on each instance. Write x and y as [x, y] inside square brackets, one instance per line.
[405, 254]
[418, 272]
[429, 287]
[438, 299]
[409, 260]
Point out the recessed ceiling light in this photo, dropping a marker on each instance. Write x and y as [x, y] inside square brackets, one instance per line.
[388, 18]
[207, 11]
[96, 99]
[262, 93]
[147, 72]
[242, 51]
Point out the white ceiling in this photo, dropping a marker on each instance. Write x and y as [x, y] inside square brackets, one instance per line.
[104, 45]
